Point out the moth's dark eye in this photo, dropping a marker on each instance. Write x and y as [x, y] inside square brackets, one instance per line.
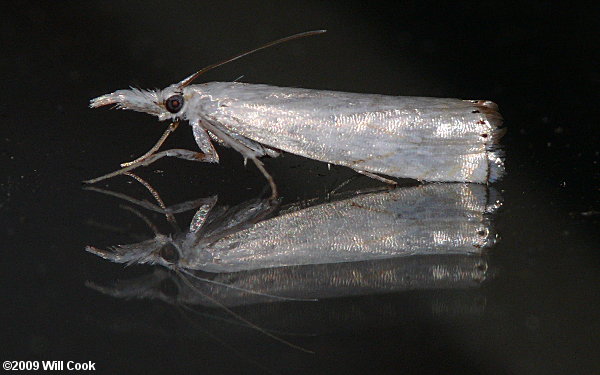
[169, 253]
[174, 103]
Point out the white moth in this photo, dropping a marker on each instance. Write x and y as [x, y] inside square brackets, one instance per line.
[428, 139]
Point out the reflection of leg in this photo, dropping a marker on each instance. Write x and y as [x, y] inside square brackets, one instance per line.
[143, 217]
[172, 127]
[161, 207]
[377, 177]
[176, 153]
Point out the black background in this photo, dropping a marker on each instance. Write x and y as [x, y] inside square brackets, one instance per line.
[539, 315]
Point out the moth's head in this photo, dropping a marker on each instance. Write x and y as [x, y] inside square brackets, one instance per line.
[166, 104]
[161, 250]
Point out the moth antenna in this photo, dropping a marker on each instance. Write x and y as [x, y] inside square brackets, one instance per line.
[191, 78]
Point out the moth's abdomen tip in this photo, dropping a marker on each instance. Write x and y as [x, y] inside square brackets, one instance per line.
[495, 154]
[485, 105]
[488, 108]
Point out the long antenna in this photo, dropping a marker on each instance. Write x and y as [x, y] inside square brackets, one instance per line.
[191, 78]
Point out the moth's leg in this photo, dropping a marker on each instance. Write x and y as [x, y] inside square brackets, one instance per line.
[172, 127]
[176, 153]
[202, 214]
[377, 177]
[270, 180]
[247, 153]
[204, 142]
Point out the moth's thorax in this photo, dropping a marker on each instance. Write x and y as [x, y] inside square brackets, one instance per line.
[207, 99]
[195, 257]
[199, 100]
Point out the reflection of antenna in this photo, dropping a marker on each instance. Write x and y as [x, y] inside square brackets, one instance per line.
[168, 214]
[191, 78]
[240, 318]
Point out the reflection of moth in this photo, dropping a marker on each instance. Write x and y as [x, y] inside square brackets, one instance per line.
[333, 280]
[414, 238]
[427, 219]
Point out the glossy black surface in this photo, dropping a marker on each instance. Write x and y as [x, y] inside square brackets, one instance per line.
[539, 314]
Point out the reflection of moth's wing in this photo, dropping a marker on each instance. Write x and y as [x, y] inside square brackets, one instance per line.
[429, 219]
[333, 280]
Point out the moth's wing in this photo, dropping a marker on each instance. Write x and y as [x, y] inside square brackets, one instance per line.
[428, 219]
[423, 138]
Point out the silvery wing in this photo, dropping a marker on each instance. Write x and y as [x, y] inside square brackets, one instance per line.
[422, 220]
[428, 139]
[330, 280]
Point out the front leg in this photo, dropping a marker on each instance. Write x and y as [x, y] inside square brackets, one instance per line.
[176, 153]
[154, 148]
[208, 154]
[204, 143]
[202, 139]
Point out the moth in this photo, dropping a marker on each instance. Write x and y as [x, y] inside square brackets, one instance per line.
[427, 139]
